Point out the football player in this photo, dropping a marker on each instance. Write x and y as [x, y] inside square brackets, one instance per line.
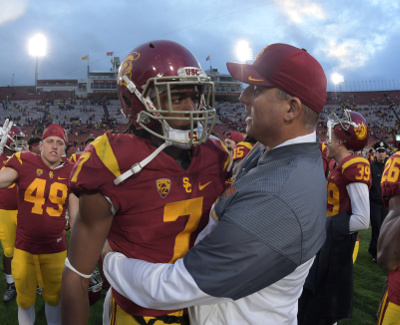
[40, 244]
[389, 242]
[149, 191]
[348, 212]
[11, 143]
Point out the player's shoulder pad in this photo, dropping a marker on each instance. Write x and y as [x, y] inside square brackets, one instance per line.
[354, 162]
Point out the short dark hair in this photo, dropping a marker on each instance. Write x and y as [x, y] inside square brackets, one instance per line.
[33, 140]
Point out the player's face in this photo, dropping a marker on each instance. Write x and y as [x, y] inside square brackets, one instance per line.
[182, 99]
[263, 113]
[332, 146]
[52, 148]
[230, 143]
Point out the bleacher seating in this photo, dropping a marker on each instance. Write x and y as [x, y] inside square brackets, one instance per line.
[83, 117]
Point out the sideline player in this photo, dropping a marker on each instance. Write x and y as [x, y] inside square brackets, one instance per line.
[40, 245]
[151, 191]
[389, 242]
[348, 183]
[9, 144]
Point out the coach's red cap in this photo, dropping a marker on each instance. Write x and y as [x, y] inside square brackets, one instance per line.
[54, 130]
[288, 68]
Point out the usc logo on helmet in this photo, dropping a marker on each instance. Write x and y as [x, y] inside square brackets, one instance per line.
[126, 68]
[361, 131]
[163, 186]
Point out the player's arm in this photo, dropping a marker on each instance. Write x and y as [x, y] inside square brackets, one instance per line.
[360, 214]
[73, 208]
[8, 176]
[389, 237]
[91, 227]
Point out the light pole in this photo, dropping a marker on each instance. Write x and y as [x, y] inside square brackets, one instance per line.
[37, 48]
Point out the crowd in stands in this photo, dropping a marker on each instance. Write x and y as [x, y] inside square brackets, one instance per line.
[33, 111]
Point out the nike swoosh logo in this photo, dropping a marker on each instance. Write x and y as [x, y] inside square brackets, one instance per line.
[202, 187]
[61, 179]
[253, 79]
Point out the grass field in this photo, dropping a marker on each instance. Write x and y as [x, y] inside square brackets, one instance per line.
[368, 279]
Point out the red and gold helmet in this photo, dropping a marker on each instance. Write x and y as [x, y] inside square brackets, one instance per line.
[15, 139]
[157, 67]
[352, 129]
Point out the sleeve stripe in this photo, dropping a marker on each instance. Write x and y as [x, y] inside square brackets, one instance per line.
[106, 154]
[18, 156]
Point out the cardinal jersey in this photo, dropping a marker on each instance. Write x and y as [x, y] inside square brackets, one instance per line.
[74, 157]
[390, 182]
[324, 149]
[8, 196]
[352, 169]
[160, 210]
[42, 201]
[390, 185]
[241, 150]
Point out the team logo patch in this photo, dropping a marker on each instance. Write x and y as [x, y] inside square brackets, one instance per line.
[51, 174]
[163, 186]
[361, 131]
[39, 172]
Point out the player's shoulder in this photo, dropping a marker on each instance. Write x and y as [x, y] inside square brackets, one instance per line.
[24, 157]
[395, 156]
[214, 143]
[353, 162]
[115, 141]
[244, 144]
[355, 169]
[115, 152]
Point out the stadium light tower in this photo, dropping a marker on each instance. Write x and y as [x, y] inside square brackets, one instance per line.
[244, 52]
[37, 48]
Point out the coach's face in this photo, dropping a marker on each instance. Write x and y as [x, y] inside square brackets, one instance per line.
[264, 113]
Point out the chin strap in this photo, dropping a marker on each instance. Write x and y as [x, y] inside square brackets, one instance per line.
[137, 168]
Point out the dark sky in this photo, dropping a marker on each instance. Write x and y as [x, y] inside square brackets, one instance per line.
[358, 39]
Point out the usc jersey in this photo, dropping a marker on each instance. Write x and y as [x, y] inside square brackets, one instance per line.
[159, 211]
[241, 150]
[390, 185]
[8, 196]
[352, 169]
[390, 182]
[324, 149]
[42, 201]
[74, 157]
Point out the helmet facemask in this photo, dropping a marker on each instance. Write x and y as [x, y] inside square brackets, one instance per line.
[15, 139]
[201, 121]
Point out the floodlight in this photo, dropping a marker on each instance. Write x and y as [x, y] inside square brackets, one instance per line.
[37, 48]
[37, 45]
[243, 51]
[337, 78]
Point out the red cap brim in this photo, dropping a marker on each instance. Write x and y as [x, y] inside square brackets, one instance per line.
[247, 74]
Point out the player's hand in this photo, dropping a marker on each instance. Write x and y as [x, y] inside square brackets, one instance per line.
[4, 133]
[106, 249]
